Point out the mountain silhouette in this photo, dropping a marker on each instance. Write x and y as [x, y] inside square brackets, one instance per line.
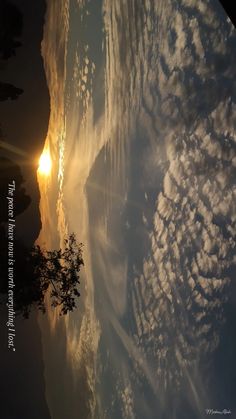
[10, 171]
[11, 25]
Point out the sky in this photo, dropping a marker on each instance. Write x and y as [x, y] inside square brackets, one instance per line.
[66, 198]
[30, 114]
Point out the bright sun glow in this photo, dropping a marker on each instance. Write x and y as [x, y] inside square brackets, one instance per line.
[45, 163]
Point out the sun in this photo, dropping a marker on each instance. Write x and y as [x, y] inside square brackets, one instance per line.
[45, 163]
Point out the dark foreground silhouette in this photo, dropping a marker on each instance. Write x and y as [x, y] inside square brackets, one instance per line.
[11, 23]
[8, 91]
[38, 271]
[11, 28]
[9, 171]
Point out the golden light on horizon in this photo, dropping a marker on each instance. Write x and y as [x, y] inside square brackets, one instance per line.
[45, 163]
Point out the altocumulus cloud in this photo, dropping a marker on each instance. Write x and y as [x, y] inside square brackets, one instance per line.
[179, 296]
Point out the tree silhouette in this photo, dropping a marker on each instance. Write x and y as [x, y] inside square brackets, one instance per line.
[39, 271]
[9, 91]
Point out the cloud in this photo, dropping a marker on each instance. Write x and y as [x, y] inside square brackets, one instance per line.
[179, 296]
[169, 94]
[128, 402]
